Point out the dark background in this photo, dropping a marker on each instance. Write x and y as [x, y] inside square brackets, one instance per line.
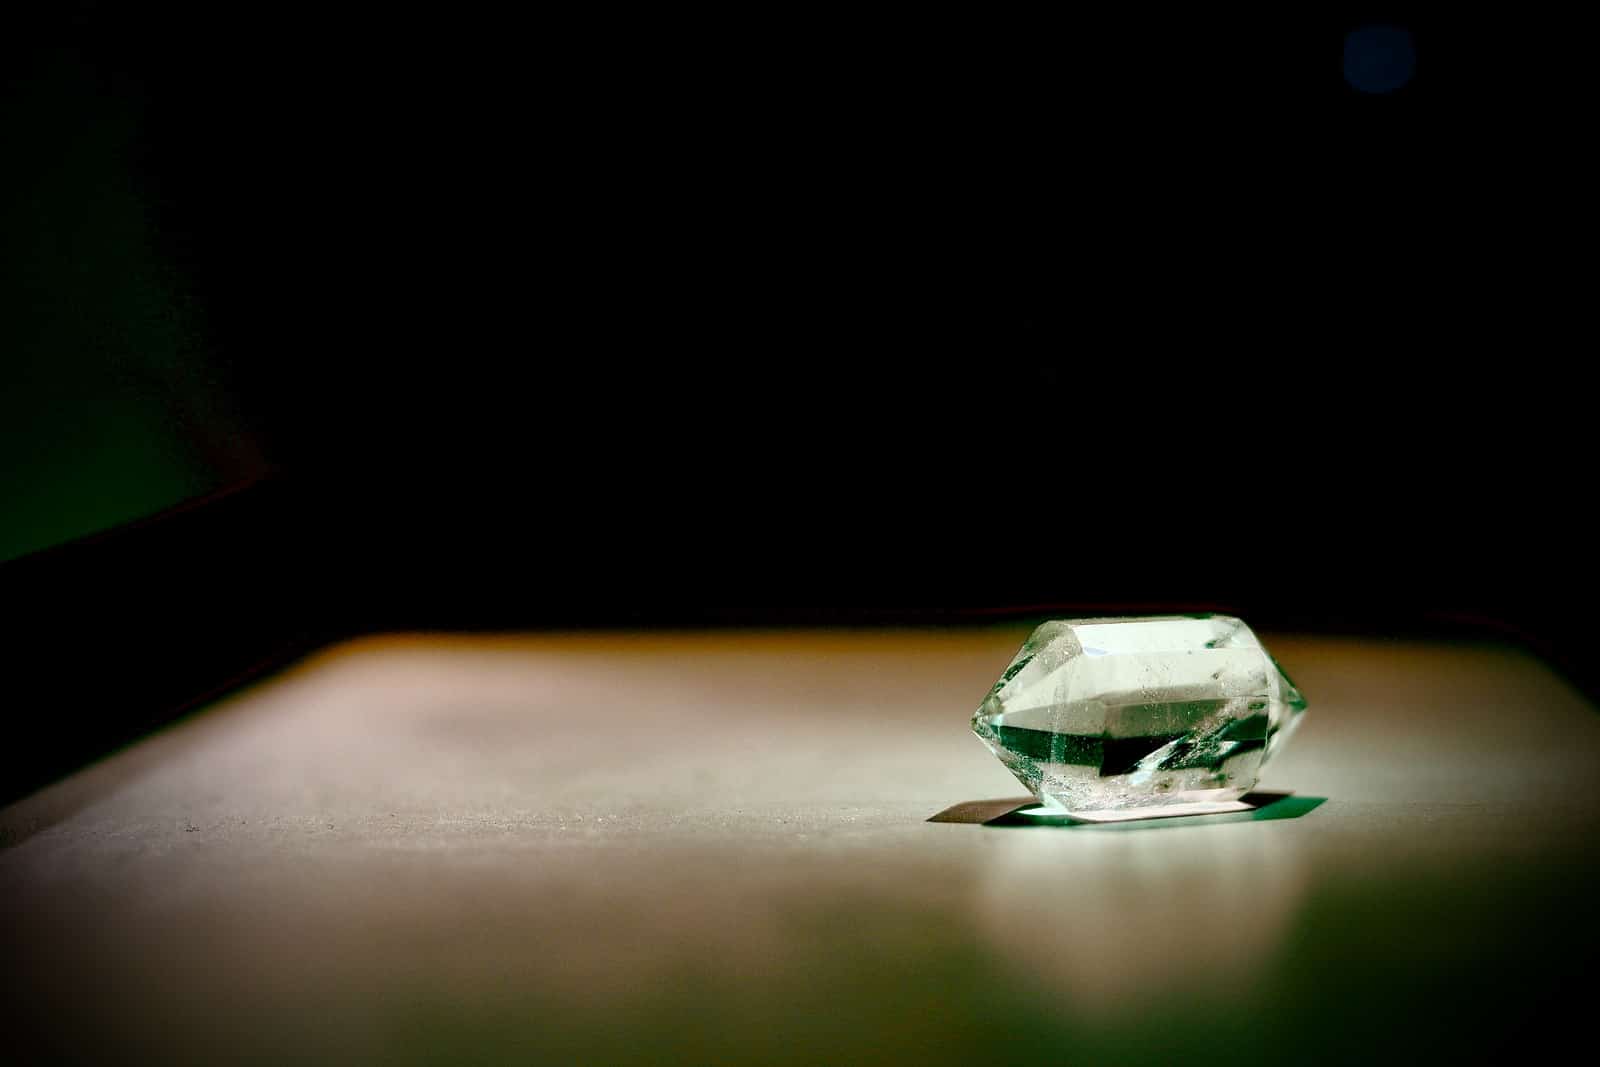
[549, 322]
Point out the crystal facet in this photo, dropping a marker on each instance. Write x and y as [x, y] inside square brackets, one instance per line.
[1097, 714]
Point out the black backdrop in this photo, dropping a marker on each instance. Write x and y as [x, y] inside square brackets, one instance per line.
[623, 322]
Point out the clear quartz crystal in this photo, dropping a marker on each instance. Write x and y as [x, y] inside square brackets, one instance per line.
[1098, 714]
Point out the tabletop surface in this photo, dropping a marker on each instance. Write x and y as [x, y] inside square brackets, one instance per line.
[716, 848]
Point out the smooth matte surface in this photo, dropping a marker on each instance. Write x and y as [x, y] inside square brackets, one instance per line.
[609, 848]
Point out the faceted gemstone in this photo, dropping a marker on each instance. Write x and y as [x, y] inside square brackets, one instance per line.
[1097, 714]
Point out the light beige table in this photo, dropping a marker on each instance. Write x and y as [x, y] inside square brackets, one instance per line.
[716, 848]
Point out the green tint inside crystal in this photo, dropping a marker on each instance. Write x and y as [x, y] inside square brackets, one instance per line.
[1096, 714]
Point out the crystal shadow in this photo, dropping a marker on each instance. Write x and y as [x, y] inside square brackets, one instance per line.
[1264, 805]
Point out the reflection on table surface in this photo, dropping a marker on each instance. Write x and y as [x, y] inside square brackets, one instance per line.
[715, 847]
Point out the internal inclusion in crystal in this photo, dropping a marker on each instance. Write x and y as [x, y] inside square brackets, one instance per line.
[1097, 714]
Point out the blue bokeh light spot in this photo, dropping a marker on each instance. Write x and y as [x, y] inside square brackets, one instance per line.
[1379, 59]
